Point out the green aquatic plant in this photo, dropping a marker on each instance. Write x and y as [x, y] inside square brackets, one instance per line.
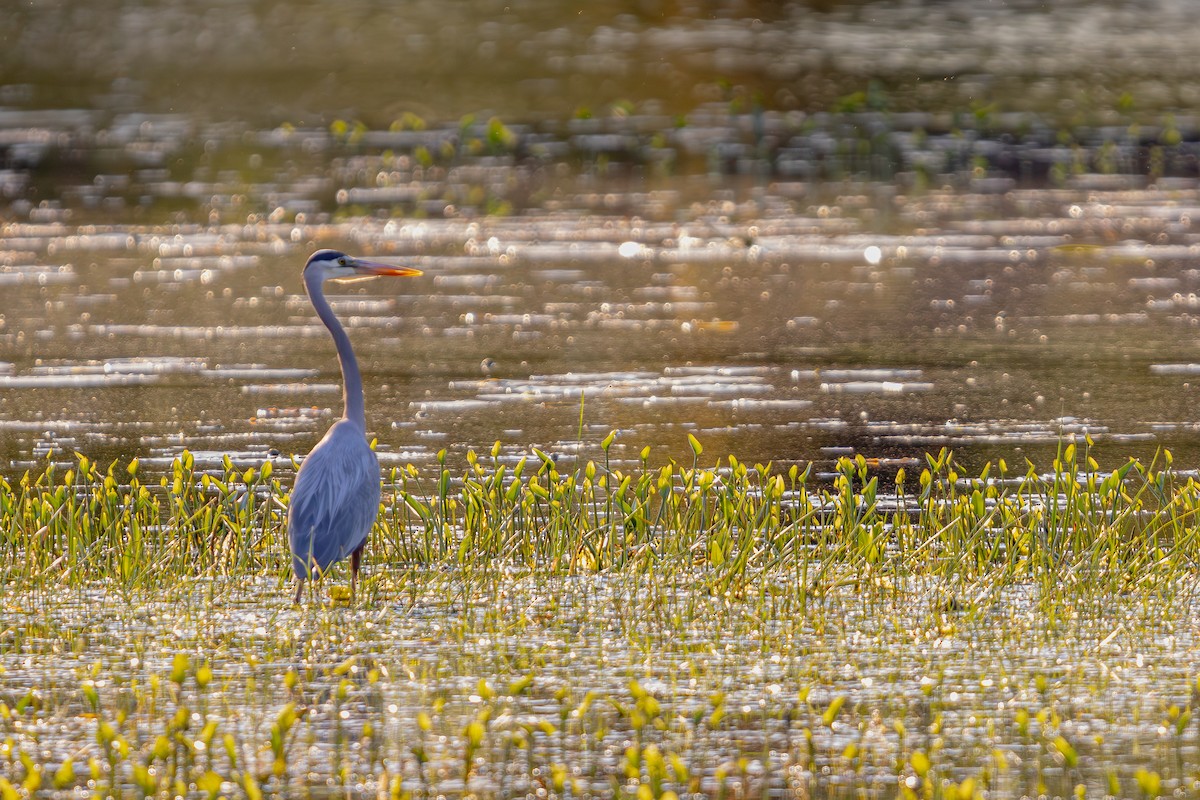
[1076, 530]
[500, 137]
[604, 626]
[408, 121]
[350, 133]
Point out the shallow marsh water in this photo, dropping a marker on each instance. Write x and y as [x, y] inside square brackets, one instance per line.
[796, 232]
[594, 686]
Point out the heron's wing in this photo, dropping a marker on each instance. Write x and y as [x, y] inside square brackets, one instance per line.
[335, 502]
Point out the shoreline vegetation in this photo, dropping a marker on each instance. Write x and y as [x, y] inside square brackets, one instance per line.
[579, 630]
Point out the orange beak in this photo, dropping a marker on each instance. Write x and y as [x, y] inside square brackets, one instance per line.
[372, 269]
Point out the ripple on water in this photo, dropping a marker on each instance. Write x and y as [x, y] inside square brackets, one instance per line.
[858, 375]
[84, 380]
[258, 372]
[36, 275]
[1175, 369]
[208, 332]
[291, 388]
[872, 387]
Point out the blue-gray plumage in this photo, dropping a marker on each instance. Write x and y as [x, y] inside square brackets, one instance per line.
[336, 497]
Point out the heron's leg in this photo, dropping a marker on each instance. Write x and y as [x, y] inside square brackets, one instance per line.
[299, 588]
[355, 560]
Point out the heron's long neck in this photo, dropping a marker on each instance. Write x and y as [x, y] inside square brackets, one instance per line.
[352, 388]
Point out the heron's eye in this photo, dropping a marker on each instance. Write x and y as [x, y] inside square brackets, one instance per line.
[342, 261]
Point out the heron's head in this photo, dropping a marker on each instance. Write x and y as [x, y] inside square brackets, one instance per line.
[333, 265]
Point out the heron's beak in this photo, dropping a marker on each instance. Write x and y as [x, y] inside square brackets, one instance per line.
[372, 269]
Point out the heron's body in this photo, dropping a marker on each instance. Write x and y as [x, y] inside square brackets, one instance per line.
[336, 498]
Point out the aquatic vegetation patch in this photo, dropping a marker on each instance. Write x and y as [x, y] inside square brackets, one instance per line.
[572, 629]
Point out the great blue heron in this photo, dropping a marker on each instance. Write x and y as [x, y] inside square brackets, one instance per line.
[336, 497]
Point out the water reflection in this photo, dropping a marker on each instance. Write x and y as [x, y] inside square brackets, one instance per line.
[771, 327]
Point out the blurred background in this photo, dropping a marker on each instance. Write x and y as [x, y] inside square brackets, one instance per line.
[305, 62]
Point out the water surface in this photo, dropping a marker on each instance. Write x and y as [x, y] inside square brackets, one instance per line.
[781, 323]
